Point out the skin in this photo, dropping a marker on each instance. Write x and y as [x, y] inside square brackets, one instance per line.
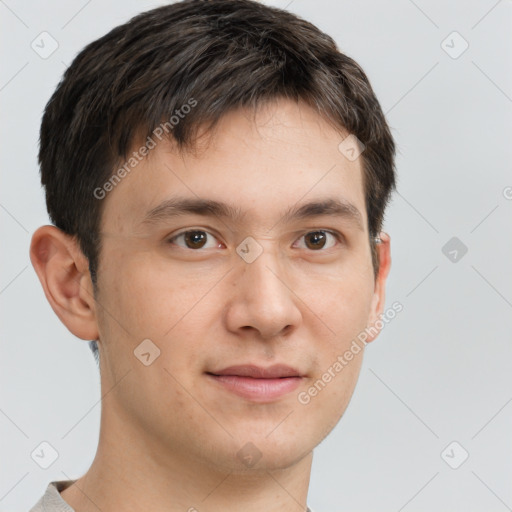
[169, 437]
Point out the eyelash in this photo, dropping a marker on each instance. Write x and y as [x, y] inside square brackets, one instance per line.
[338, 236]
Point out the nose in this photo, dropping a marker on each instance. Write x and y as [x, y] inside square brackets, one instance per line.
[264, 300]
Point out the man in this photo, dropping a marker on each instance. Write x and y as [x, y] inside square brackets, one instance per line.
[217, 175]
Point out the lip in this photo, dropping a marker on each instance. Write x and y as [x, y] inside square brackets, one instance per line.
[258, 384]
[257, 372]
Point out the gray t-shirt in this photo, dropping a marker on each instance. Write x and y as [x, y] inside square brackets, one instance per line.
[52, 501]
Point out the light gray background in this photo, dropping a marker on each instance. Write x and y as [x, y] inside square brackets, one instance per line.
[439, 372]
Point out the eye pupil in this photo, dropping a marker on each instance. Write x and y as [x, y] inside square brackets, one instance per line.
[318, 239]
[195, 239]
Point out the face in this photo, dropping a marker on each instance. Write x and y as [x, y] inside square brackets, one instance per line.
[215, 259]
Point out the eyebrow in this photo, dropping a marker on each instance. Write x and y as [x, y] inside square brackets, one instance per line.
[174, 207]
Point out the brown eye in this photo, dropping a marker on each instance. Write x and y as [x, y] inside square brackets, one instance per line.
[318, 240]
[194, 239]
[315, 240]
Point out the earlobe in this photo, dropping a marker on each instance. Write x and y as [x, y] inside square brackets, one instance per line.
[379, 294]
[64, 275]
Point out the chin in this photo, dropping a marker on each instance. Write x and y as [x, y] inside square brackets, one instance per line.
[261, 453]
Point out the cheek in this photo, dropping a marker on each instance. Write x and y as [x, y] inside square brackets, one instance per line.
[148, 299]
[343, 303]
[344, 306]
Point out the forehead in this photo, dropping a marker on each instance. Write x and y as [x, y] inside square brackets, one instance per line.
[257, 165]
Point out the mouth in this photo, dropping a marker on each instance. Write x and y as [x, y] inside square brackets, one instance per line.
[258, 384]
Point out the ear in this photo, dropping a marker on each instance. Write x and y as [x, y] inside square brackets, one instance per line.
[63, 271]
[379, 294]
